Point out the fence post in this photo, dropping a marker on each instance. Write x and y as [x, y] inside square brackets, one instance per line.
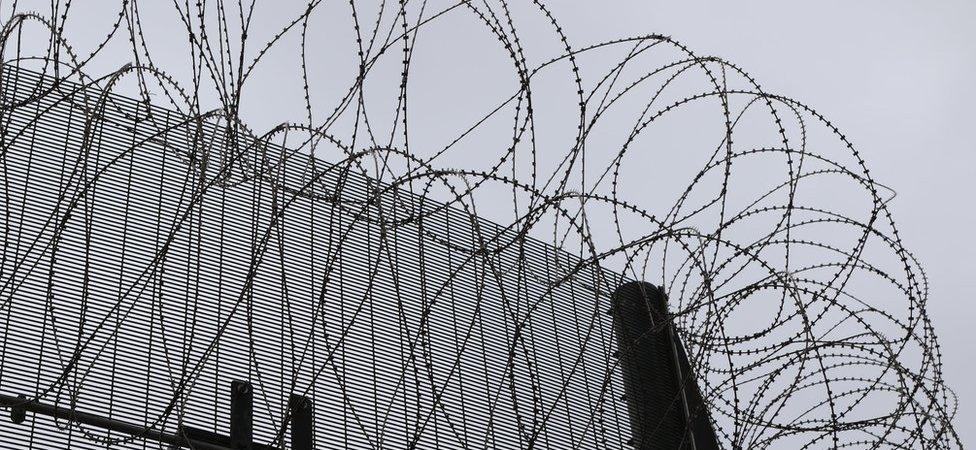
[663, 401]
[300, 409]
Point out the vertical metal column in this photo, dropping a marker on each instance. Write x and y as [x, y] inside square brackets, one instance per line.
[665, 407]
[241, 414]
[300, 409]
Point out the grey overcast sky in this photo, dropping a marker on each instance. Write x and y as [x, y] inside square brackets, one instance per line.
[896, 76]
[899, 78]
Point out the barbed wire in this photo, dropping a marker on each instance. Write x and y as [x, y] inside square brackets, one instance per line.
[151, 232]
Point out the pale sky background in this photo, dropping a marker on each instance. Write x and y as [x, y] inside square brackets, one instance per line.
[899, 78]
[895, 76]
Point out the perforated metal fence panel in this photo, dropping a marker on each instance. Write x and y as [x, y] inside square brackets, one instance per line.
[151, 259]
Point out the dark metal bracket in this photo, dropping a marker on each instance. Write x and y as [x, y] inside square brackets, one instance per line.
[241, 422]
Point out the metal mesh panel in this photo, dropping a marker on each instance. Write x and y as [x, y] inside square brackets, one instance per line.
[152, 259]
